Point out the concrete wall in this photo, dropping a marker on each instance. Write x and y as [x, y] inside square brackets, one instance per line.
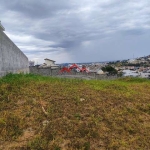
[44, 71]
[11, 58]
[56, 72]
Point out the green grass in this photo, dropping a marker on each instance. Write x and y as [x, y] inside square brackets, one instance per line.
[79, 114]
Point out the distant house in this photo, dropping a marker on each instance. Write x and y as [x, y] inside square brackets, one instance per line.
[130, 73]
[49, 63]
[145, 75]
[31, 63]
[100, 71]
[133, 61]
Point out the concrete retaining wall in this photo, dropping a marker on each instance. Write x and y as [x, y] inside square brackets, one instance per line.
[12, 59]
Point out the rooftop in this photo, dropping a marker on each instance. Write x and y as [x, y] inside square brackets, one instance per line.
[49, 59]
[1, 27]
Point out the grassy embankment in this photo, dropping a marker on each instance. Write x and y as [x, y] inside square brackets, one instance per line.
[42, 113]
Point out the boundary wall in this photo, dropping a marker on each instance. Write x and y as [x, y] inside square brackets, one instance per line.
[12, 59]
[56, 72]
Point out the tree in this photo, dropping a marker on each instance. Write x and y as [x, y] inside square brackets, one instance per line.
[110, 70]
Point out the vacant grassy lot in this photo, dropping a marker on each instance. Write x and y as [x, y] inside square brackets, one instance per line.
[45, 113]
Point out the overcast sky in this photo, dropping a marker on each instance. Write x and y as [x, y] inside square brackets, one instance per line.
[78, 30]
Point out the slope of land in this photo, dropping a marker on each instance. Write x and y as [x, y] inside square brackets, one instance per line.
[41, 113]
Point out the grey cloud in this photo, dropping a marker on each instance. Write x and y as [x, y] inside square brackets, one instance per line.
[36, 8]
[85, 27]
[41, 51]
[134, 32]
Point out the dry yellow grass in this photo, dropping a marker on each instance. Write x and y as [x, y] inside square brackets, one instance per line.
[43, 113]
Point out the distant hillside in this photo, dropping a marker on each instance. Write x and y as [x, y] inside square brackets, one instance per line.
[45, 113]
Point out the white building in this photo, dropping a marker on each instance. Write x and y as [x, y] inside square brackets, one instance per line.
[145, 74]
[100, 71]
[133, 61]
[130, 73]
[49, 63]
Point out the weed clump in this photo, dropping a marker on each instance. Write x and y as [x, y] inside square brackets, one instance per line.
[10, 127]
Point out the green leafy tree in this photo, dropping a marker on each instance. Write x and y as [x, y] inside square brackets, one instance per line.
[110, 70]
